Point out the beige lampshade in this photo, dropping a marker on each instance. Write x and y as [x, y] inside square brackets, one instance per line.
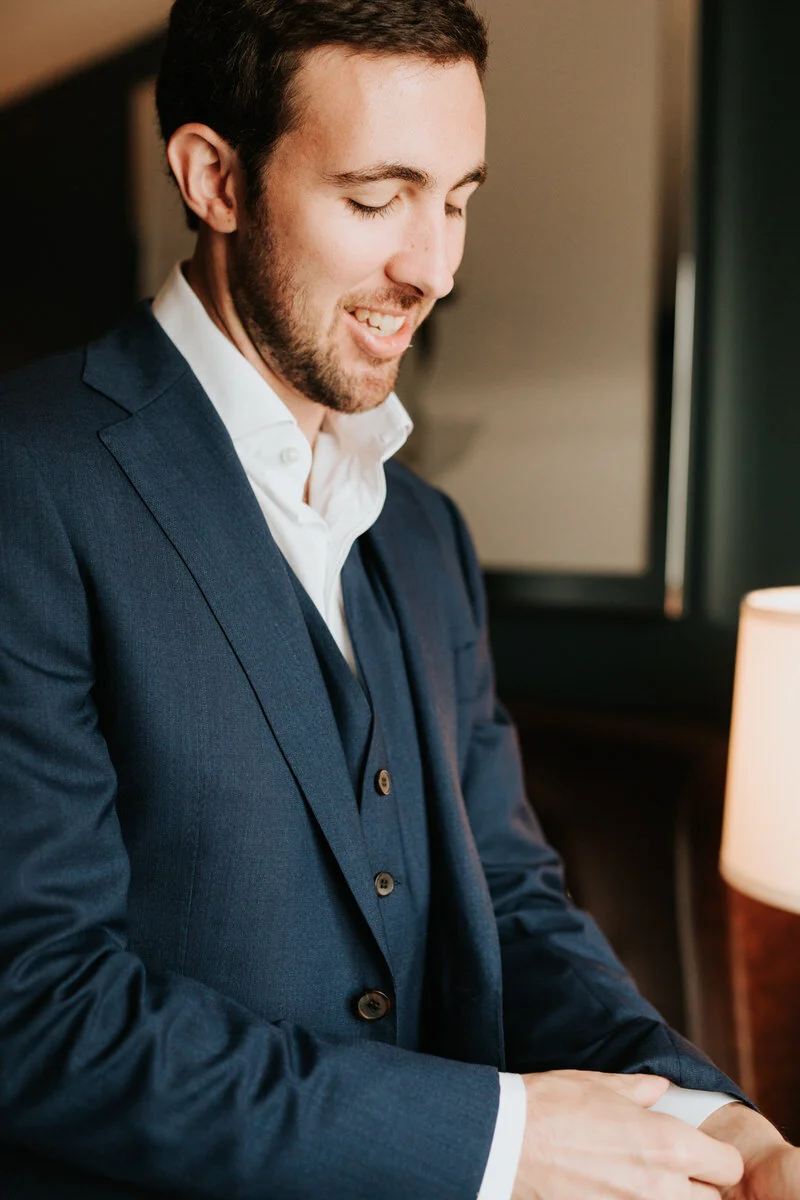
[761, 836]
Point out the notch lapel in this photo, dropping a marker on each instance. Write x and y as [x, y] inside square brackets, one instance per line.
[177, 454]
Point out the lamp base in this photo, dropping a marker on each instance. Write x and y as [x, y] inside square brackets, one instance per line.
[765, 962]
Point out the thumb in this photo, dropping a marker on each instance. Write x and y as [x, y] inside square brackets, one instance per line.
[641, 1089]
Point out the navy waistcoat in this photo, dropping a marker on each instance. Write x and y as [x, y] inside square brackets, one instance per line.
[376, 722]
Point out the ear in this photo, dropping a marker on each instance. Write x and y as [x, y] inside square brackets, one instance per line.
[209, 175]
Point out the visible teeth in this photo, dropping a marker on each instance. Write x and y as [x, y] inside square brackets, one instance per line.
[382, 323]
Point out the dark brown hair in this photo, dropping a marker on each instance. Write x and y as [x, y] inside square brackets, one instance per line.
[229, 64]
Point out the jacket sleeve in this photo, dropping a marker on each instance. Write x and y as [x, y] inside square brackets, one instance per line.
[153, 1078]
[568, 1001]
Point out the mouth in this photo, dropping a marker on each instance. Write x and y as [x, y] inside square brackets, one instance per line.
[380, 334]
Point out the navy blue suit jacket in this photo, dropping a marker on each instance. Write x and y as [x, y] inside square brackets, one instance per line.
[186, 907]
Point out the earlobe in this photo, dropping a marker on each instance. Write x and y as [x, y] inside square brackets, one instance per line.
[205, 169]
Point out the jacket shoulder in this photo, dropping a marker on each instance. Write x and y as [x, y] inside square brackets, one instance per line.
[48, 399]
[405, 488]
[420, 509]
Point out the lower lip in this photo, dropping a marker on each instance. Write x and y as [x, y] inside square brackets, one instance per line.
[380, 347]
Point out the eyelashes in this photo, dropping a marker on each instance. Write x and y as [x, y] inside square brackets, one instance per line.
[368, 212]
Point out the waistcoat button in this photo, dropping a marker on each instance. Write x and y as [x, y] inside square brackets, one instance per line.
[384, 884]
[383, 783]
[372, 1006]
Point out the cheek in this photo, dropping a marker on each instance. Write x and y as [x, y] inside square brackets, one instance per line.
[342, 250]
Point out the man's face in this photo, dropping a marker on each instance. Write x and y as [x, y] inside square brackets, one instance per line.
[360, 225]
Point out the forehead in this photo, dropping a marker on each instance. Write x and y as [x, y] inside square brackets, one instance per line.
[355, 108]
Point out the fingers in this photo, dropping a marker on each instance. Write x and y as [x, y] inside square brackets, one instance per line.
[641, 1089]
[702, 1191]
[714, 1162]
[701, 1158]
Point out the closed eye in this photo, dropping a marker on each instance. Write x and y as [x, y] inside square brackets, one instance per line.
[368, 210]
[383, 210]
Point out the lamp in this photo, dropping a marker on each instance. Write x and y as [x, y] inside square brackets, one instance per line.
[760, 857]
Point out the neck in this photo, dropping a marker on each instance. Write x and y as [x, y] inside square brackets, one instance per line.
[207, 275]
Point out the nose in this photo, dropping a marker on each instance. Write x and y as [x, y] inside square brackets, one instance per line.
[428, 257]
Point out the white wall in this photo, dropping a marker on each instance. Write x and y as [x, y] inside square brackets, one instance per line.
[538, 417]
[41, 40]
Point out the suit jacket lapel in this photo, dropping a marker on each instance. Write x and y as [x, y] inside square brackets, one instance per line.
[407, 555]
[177, 454]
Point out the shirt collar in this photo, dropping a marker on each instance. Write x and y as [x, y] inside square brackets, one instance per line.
[243, 398]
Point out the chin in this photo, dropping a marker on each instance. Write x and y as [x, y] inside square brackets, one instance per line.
[368, 393]
[375, 397]
[359, 402]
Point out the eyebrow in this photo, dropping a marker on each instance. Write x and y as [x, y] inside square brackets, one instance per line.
[382, 172]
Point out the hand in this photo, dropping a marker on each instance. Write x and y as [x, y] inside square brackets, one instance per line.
[589, 1134]
[771, 1165]
[773, 1175]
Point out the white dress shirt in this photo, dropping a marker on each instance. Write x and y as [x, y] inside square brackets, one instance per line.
[345, 477]
[346, 493]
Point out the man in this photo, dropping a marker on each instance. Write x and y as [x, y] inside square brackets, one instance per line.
[275, 919]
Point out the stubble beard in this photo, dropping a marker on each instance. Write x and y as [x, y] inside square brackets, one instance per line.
[275, 314]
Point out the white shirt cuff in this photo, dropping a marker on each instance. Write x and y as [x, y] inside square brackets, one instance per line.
[689, 1105]
[506, 1148]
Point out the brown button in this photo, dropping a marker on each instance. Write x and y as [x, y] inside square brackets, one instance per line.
[372, 1006]
[383, 782]
[384, 884]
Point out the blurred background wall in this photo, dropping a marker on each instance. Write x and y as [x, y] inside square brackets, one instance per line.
[541, 399]
[623, 715]
[44, 41]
